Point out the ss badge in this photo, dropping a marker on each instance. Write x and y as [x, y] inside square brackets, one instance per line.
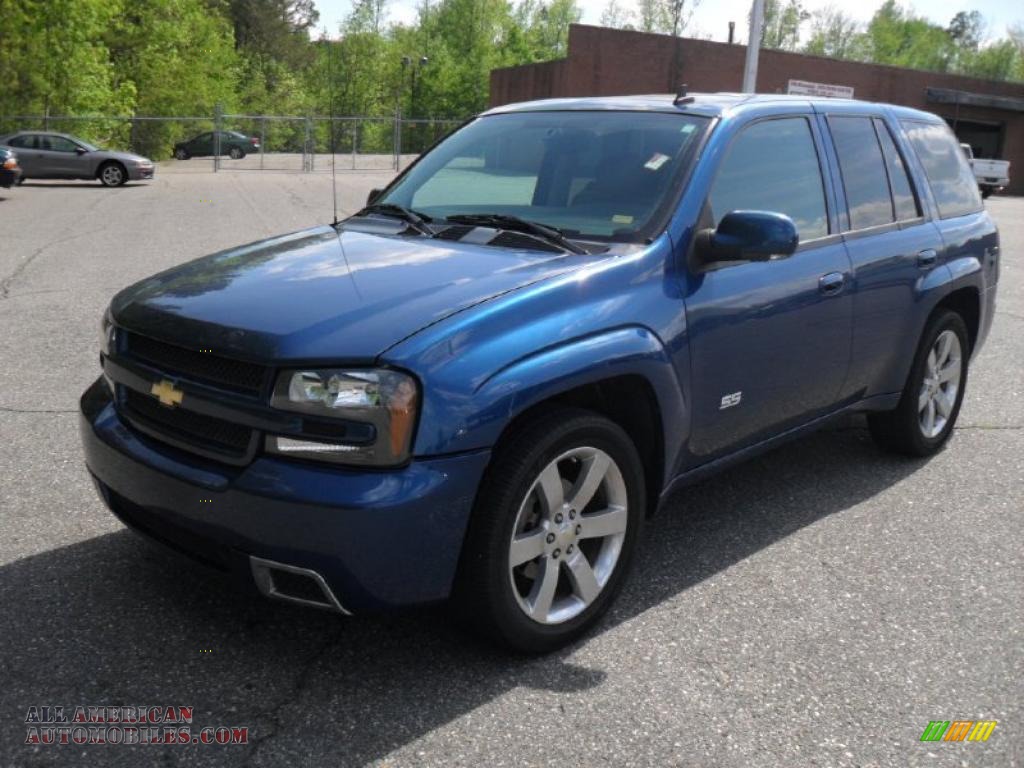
[728, 401]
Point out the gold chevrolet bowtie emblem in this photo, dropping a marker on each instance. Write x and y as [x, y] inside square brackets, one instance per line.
[165, 392]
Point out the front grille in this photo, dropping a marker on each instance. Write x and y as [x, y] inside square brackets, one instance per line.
[223, 372]
[195, 430]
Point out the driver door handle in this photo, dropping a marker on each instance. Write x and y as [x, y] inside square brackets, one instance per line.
[832, 283]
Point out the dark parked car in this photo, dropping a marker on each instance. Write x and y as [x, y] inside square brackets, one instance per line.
[10, 171]
[47, 155]
[483, 383]
[232, 143]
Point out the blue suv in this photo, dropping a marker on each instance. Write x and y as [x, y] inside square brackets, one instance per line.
[480, 385]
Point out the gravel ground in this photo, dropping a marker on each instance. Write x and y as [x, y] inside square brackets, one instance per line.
[817, 606]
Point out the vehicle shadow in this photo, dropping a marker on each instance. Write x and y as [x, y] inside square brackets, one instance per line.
[83, 184]
[114, 621]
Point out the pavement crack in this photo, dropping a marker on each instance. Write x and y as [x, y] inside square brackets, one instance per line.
[1009, 427]
[5, 284]
[275, 713]
[8, 409]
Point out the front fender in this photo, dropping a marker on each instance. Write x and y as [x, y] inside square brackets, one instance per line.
[476, 420]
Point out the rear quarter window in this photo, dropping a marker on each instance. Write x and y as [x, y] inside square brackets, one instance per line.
[949, 176]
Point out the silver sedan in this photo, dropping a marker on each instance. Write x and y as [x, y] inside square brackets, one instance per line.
[48, 155]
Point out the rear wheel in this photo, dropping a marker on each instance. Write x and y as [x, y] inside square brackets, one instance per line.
[112, 174]
[928, 408]
[553, 532]
[181, 154]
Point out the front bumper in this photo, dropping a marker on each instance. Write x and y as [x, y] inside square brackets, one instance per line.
[137, 173]
[380, 539]
[9, 176]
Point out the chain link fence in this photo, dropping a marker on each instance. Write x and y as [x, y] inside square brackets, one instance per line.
[202, 144]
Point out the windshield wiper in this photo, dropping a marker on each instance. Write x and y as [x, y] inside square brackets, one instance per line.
[415, 220]
[516, 224]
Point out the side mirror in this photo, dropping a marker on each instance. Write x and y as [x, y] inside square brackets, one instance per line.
[80, 150]
[372, 197]
[748, 236]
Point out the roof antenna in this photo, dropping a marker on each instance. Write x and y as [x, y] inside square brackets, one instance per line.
[681, 97]
[330, 100]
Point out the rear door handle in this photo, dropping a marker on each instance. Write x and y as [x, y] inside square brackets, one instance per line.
[832, 283]
[927, 257]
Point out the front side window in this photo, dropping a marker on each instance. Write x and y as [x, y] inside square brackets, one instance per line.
[863, 170]
[595, 174]
[773, 166]
[949, 176]
[59, 144]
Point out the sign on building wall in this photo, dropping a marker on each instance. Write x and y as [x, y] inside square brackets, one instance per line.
[807, 88]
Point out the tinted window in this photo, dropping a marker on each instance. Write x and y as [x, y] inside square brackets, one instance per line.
[23, 142]
[58, 144]
[949, 176]
[863, 170]
[899, 182]
[773, 166]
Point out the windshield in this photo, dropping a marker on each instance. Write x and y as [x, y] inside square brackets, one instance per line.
[605, 175]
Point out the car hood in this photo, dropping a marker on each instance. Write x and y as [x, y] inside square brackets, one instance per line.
[324, 295]
[124, 157]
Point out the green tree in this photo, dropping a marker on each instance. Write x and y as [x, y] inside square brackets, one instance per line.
[782, 24]
[834, 33]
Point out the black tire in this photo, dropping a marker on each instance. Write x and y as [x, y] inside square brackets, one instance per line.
[21, 180]
[900, 430]
[986, 192]
[484, 595]
[112, 174]
[235, 153]
[180, 153]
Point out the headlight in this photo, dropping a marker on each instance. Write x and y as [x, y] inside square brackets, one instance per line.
[378, 407]
[108, 334]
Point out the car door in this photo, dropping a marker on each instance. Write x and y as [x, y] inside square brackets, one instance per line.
[769, 340]
[892, 248]
[201, 145]
[28, 156]
[63, 158]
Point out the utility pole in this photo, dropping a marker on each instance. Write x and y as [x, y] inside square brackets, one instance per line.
[753, 47]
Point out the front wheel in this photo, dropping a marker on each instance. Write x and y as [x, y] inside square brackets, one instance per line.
[986, 192]
[181, 154]
[928, 408]
[235, 153]
[113, 175]
[554, 528]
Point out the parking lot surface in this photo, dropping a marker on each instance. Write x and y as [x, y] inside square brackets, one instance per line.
[817, 606]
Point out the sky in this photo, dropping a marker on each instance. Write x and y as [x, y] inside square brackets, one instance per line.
[711, 17]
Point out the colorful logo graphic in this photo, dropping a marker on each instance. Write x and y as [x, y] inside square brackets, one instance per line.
[958, 730]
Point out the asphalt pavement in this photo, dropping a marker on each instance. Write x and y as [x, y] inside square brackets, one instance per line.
[817, 606]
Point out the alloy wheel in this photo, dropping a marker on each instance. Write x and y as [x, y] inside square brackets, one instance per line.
[940, 385]
[568, 535]
[112, 175]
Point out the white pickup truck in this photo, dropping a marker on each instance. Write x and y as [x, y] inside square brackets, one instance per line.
[991, 175]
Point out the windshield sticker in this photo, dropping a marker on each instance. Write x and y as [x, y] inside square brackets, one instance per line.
[657, 160]
[620, 218]
[688, 128]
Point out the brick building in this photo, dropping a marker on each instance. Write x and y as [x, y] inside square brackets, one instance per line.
[987, 114]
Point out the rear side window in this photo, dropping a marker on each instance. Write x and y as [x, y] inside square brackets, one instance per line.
[22, 142]
[773, 166]
[863, 170]
[903, 200]
[949, 176]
